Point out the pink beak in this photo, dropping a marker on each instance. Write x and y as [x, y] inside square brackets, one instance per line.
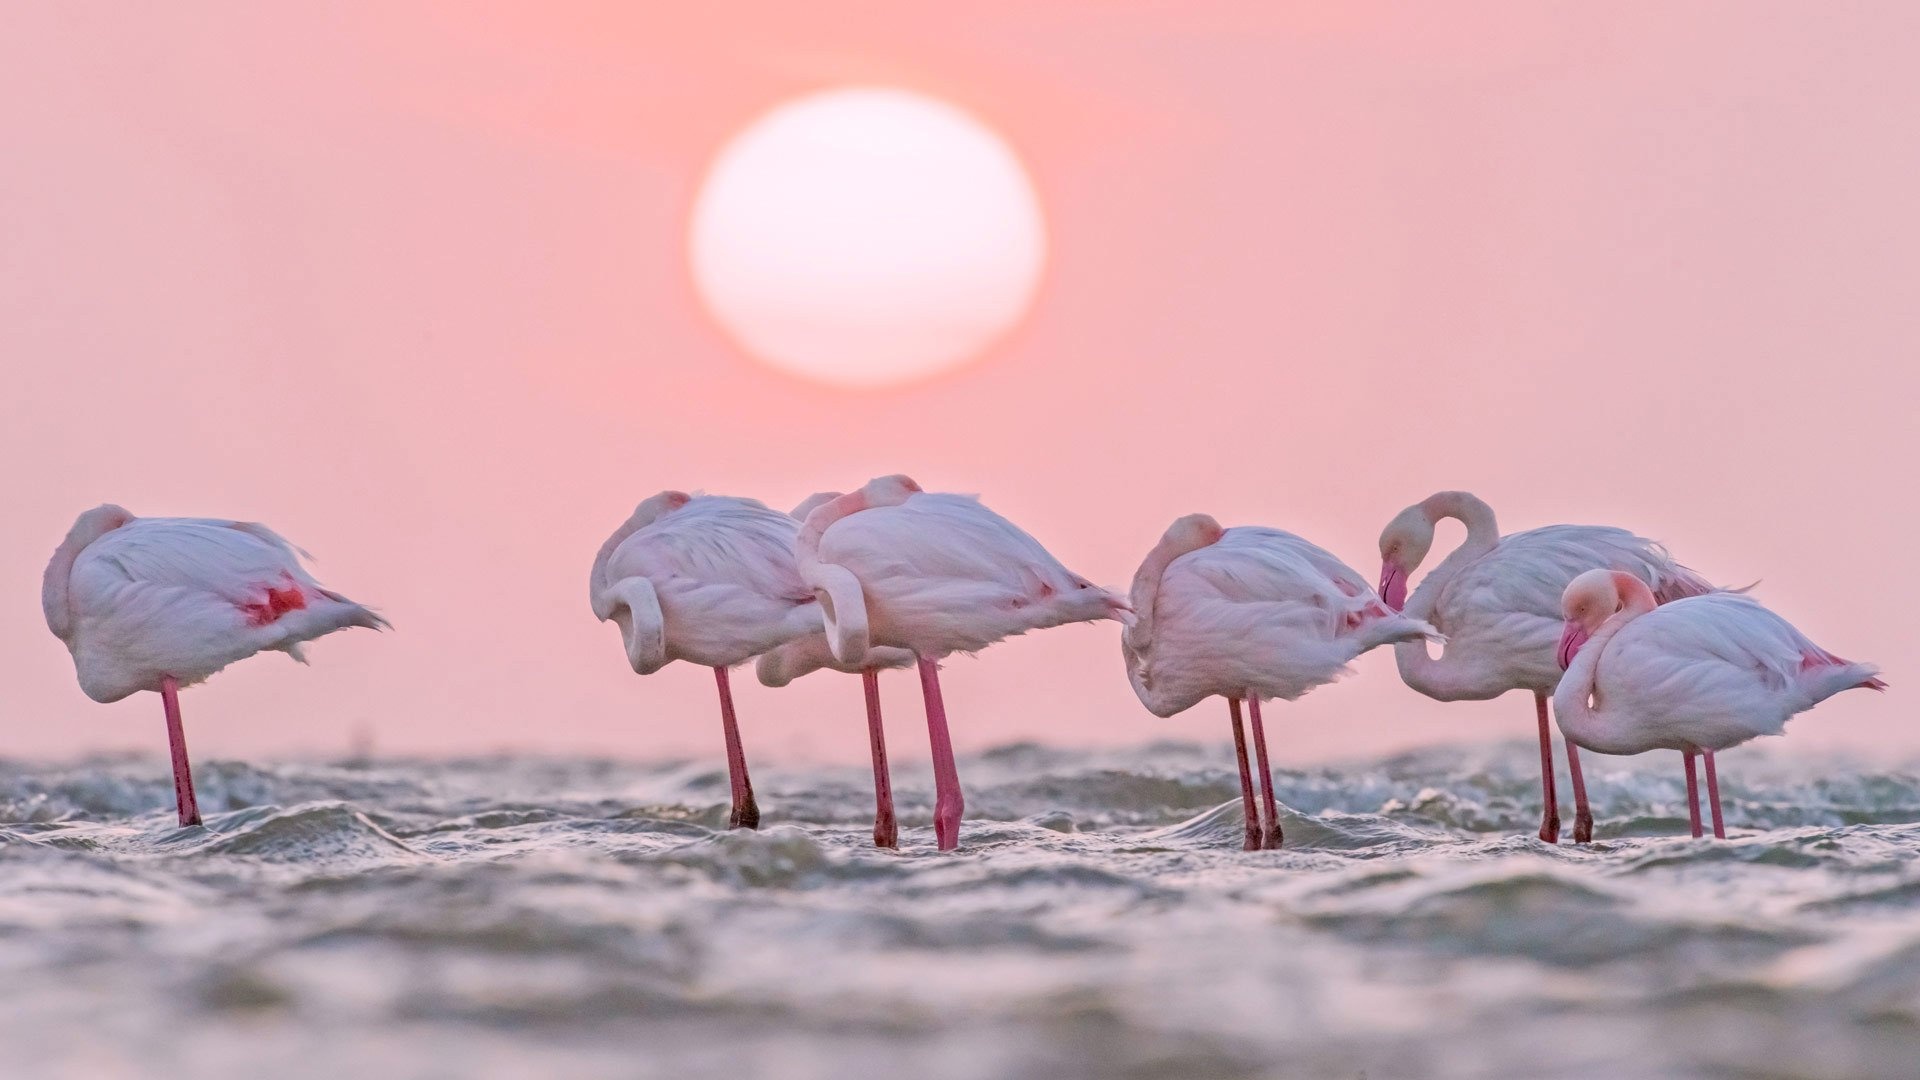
[1393, 586]
[1570, 641]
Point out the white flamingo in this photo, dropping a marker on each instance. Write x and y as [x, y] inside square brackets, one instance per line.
[1497, 600]
[1698, 675]
[1248, 613]
[161, 603]
[934, 574]
[708, 579]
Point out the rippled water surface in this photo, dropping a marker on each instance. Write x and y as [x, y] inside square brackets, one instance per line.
[513, 917]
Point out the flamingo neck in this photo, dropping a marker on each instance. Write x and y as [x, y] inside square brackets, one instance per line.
[1146, 581]
[1420, 668]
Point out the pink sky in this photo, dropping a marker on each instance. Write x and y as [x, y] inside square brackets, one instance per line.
[410, 285]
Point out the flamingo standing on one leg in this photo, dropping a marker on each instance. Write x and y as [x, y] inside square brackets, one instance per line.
[161, 603]
[1248, 613]
[1497, 600]
[935, 574]
[807, 654]
[1698, 675]
[709, 579]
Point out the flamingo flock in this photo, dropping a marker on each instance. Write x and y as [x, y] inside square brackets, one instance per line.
[1635, 651]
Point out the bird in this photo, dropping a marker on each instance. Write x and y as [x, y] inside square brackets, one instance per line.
[1497, 600]
[804, 655]
[1248, 613]
[709, 579]
[1698, 675]
[161, 603]
[935, 574]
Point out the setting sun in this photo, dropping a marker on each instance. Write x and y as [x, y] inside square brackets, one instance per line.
[867, 237]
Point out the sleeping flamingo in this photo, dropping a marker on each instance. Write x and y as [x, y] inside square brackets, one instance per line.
[1697, 675]
[934, 574]
[161, 603]
[810, 653]
[1248, 613]
[709, 579]
[1497, 600]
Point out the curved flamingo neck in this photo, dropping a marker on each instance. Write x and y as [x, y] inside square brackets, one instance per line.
[1574, 702]
[1418, 667]
[886, 491]
[649, 511]
[1146, 581]
[90, 526]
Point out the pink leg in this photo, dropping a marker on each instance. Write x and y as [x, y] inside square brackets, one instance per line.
[1693, 794]
[1252, 812]
[886, 832]
[189, 807]
[948, 802]
[1713, 797]
[1550, 820]
[1270, 835]
[1582, 814]
[746, 813]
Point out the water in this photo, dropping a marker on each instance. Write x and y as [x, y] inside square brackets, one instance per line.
[515, 918]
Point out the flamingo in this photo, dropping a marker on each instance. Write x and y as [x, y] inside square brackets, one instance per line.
[1698, 675]
[934, 574]
[804, 655]
[161, 603]
[1248, 613]
[1497, 600]
[709, 579]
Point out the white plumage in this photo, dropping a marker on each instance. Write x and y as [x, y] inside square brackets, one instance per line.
[1256, 612]
[708, 579]
[1702, 673]
[137, 600]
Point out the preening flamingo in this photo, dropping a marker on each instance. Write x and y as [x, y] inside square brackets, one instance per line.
[810, 653]
[934, 574]
[1497, 600]
[161, 603]
[709, 579]
[1248, 613]
[1697, 675]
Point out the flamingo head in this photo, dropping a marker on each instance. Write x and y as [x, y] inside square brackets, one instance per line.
[1590, 600]
[1403, 545]
[1193, 532]
[888, 490]
[664, 503]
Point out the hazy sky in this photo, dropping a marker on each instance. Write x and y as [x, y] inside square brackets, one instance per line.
[410, 284]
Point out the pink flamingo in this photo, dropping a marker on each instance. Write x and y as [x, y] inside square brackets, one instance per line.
[804, 655]
[161, 603]
[1698, 675]
[1497, 600]
[708, 579]
[934, 574]
[1248, 613]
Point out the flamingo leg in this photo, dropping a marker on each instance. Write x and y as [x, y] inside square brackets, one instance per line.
[746, 813]
[1582, 814]
[1713, 797]
[948, 802]
[1550, 820]
[188, 806]
[886, 831]
[1693, 794]
[1251, 812]
[1270, 835]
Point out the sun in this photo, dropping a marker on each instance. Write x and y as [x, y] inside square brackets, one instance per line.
[867, 237]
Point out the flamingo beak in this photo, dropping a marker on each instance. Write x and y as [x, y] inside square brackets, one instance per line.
[1393, 586]
[1571, 639]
